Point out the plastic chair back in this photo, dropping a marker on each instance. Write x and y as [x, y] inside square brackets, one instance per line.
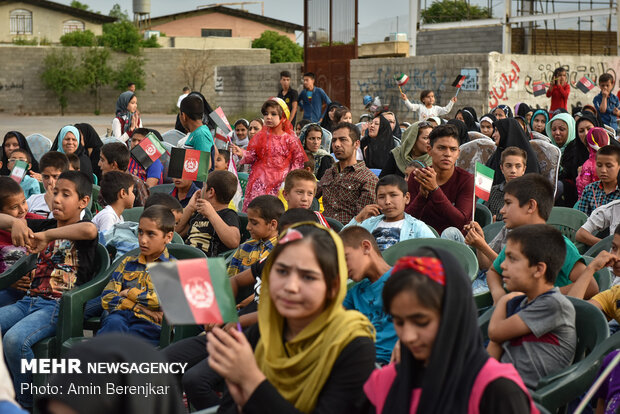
[477, 135]
[604, 244]
[492, 230]
[334, 224]
[483, 215]
[39, 145]
[172, 136]
[568, 221]
[548, 159]
[478, 150]
[604, 278]
[94, 196]
[133, 214]
[243, 180]
[243, 224]
[162, 188]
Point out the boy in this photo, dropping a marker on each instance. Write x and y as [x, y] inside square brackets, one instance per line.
[66, 247]
[289, 95]
[299, 189]
[52, 164]
[605, 190]
[74, 162]
[387, 221]
[534, 330]
[606, 103]
[192, 110]
[368, 269]
[153, 175]
[263, 215]
[312, 99]
[222, 160]
[117, 192]
[115, 157]
[512, 164]
[183, 190]
[605, 217]
[28, 184]
[210, 225]
[130, 296]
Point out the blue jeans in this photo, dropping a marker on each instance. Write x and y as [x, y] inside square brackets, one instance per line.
[127, 321]
[10, 295]
[93, 308]
[23, 324]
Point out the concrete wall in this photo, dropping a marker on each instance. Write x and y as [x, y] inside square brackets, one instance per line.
[466, 40]
[22, 91]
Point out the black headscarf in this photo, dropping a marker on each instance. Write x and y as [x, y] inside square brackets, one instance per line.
[468, 118]
[85, 163]
[377, 150]
[462, 128]
[522, 109]
[457, 357]
[511, 134]
[205, 116]
[397, 132]
[23, 144]
[327, 122]
[91, 141]
[576, 152]
[116, 348]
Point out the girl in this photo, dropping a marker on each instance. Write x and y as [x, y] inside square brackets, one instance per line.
[596, 138]
[310, 355]
[239, 136]
[255, 125]
[273, 152]
[559, 90]
[539, 120]
[68, 141]
[561, 130]
[428, 107]
[443, 366]
[317, 141]
[468, 118]
[414, 146]
[502, 111]
[328, 122]
[12, 141]
[486, 124]
[377, 143]
[523, 110]
[343, 114]
[127, 116]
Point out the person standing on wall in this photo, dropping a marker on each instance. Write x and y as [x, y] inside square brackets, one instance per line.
[559, 90]
[312, 99]
[288, 95]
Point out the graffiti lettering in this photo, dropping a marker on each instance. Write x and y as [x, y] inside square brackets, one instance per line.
[544, 73]
[11, 86]
[504, 82]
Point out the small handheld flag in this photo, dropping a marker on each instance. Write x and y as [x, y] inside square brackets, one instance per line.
[19, 170]
[189, 164]
[220, 120]
[194, 291]
[401, 80]
[458, 82]
[539, 88]
[239, 193]
[483, 181]
[148, 150]
[585, 85]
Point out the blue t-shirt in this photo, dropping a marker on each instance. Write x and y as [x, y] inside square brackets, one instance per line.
[200, 139]
[312, 103]
[366, 298]
[608, 116]
[30, 186]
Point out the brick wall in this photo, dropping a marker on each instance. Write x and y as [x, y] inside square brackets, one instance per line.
[466, 40]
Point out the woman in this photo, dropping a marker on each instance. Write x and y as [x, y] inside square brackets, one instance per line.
[393, 120]
[317, 141]
[328, 116]
[68, 141]
[377, 143]
[443, 365]
[539, 120]
[255, 126]
[127, 116]
[92, 144]
[511, 134]
[273, 152]
[12, 141]
[486, 124]
[468, 118]
[502, 111]
[462, 129]
[561, 130]
[412, 148]
[310, 355]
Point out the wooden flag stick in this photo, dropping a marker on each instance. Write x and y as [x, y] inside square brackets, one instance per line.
[401, 91]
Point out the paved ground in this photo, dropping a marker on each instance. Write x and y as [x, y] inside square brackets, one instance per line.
[50, 125]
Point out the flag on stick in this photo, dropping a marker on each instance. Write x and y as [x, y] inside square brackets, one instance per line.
[220, 120]
[401, 79]
[458, 82]
[19, 170]
[483, 181]
[585, 85]
[148, 150]
[239, 193]
[194, 291]
[539, 88]
[189, 164]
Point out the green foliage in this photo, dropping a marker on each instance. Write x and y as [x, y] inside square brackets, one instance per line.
[121, 37]
[59, 75]
[282, 48]
[131, 70]
[24, 41]
[79, 38]
[121, 15]
[452, 11]
[95, 72]
[79, 5]
[150, 42]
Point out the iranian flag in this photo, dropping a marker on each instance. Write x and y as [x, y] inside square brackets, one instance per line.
[19, 170]
[483, 181]
[194, 291]
[189, 164]
[585, 85]
[220, 120]
[148, 150]
[401, 79]
[239, 193]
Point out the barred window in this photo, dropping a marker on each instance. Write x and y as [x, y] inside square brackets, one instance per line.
[72, 26]
[21, 21]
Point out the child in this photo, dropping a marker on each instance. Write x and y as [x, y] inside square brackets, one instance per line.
[387, 220]
[130, 296]
[411, 167]
[310, 163]
[370, 272]
[539, 121]
[74, 162]
[192, 110]
[52, 164]
[513, 163]
[222, 160]
[239, 136]
[67, 247]
[210, 225]
[115, 157]
[606, 103]
[559, 90]
[299, 189]
[441, 364]
[428, 107]
[596, 138]
[117, 192]
[263, 215]
[28, 184]
[153, 175]
[287, 94]
[312, 99]
[184, 190]
[605, 190]
[534, 327]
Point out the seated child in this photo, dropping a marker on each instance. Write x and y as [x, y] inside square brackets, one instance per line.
[608, 397]
[115, 157]
[512, 164]
[370, 272]
[183, 190]
[602, 219]
[387, 220]
[153, 175]
[130, 296]
[52, 164]
[608, 301]
[66, 247]
[299, 189]
[74, 162]
[28, 184]
[596, 138]
[221, 160]
[210, 225]
[263, 215]
[605, 190]
[117, 192]
[534, 327]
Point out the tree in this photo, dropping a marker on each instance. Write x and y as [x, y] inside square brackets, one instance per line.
[121, 15]
[79, 38]
[282, 48]
[150, 42]
[131, 70]
[59, 75]
[96, 72]
[452, 11]
[79, 5]
[196, 69]
[122, 37]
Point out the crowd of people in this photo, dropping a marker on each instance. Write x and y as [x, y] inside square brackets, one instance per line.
[336, 329]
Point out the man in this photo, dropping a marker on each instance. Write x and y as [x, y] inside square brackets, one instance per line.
[348, 186]
[312, 99]
[288, 95]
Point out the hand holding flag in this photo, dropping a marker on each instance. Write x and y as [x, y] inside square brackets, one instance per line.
[189, 164]
[148, 150]
[483, 181]
[19, 170]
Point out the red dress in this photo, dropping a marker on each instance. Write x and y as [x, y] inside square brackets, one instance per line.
[559, 96]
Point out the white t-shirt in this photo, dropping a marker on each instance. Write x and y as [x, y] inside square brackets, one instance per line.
[181, 97]
[387, 233]
[37, 205]
[106, 218]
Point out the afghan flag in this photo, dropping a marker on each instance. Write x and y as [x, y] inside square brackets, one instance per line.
[220, 120]
[585, 85]
[19, 170]
[458, 82]
[189, 164]
[148, 150]
[401, 79]
[483, 180]
[194, 291]
[539, 88]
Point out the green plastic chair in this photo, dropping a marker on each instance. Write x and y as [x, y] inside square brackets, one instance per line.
[483, 215]
[161, 188]
[604, 244]
[334, 224]
[603, 277]
[243, 180]
[465, 256]
[243, 224]
[133, 214]
[491, 230]
[93, 197]
[20, 268]
[568, 221]
[433, 230]
[41, 187]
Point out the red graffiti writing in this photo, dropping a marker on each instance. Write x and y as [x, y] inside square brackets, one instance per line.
[504, 83]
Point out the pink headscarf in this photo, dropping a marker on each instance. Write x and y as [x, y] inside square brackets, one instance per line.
[596, 138]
